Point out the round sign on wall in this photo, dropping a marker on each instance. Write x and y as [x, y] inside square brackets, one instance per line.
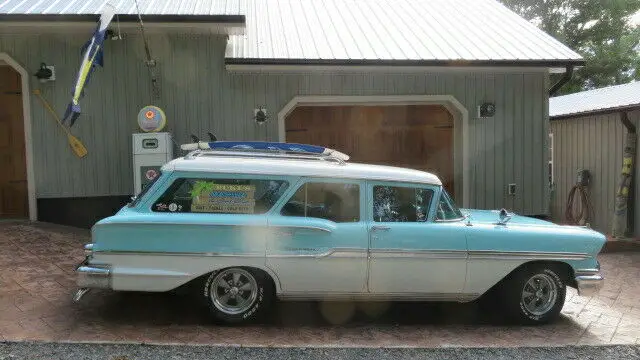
[151, 119]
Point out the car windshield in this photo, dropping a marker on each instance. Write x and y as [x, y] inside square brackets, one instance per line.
[447, 209]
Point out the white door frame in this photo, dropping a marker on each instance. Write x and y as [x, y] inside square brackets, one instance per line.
[452, 104]
[28, 140]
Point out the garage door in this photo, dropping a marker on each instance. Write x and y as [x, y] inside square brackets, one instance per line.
[413, 136]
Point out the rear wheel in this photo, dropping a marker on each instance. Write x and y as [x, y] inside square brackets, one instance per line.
[534, 294]
[238, 295]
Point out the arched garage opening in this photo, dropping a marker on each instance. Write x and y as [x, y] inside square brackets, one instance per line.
[420, 132]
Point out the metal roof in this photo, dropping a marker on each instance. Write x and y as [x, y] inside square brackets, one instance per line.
[147, 7]
[351, 32]
[416, 32]
[598, 100]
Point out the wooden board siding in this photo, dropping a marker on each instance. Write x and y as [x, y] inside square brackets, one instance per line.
[199, 95]
[13, 169]
[594, 143]
[415, 136]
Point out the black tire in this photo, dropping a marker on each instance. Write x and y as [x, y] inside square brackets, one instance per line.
[528, 305]
[248, 307]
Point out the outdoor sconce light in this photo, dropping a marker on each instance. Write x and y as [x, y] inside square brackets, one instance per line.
[486, 110]
[260, 115]
[45, 73]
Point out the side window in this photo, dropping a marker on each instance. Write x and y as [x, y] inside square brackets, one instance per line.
[401, 204]
[446, 208]
[337, 202]
[223, 196]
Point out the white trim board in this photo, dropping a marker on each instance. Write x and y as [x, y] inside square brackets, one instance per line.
[26, 114]
[459, 112]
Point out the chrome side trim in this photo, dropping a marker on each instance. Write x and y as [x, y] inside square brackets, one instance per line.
[306, 296]
[587, 271]
[525, 255]
[426, 254]
[179, 223]
[356, 253]
[303, 227]
[168, 253]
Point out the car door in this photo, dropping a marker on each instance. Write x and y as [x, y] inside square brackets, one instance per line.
[410, 252]
[318, 239]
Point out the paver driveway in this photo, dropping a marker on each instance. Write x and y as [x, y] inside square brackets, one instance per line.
[36, 284]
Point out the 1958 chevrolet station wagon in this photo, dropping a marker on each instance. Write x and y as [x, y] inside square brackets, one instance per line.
[246, 223]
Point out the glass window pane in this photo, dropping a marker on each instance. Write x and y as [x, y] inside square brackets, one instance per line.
[337, 202]
[225, 196]
[447, 210]
[401, 204]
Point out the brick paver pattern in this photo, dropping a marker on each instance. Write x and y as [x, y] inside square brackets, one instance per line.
[37, 281]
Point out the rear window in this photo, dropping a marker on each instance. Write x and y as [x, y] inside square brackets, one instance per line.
[221, 196]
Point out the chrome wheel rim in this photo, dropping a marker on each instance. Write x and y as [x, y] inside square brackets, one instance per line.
[234, 291]
[539, 294]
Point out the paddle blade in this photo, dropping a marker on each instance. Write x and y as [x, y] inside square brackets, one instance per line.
[77, 146]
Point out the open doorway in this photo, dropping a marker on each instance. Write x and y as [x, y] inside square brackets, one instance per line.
[14, 197]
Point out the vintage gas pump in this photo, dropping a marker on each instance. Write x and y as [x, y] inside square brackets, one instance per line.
[151, 148]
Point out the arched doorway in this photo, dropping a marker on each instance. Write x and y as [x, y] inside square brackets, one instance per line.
[17, 183]
[14, 200]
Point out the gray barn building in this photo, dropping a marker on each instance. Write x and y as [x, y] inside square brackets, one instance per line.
[588, 134]
[391, 82]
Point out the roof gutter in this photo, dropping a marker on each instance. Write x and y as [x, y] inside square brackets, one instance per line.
[563, 80]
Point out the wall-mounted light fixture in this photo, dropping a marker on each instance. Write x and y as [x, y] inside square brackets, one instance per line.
[260, 115]
[486, 110]
[46, 73]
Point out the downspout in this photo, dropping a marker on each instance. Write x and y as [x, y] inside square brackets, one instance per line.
[563, 80]
[624, 203]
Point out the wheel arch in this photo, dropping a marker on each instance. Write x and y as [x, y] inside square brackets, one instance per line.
[567, 272]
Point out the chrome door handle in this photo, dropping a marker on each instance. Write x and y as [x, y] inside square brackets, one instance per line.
[380, 228]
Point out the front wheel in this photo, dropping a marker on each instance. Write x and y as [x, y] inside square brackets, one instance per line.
[238, 295]
[534, 294]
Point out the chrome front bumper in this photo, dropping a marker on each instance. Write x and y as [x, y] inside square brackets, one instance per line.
[589, 284]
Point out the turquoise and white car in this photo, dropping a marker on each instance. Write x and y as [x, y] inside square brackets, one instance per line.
[248, 223]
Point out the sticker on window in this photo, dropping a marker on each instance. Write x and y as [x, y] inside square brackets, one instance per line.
[222, 198]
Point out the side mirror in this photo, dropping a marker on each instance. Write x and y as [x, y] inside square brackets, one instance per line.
[504, 217]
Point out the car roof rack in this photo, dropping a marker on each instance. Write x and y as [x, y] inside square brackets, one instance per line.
[264, 149]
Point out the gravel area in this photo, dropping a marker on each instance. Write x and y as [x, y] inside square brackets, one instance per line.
[52, 351]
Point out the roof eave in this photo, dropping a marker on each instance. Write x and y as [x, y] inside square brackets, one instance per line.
[219, 24]
[631, 107]
[551, 63]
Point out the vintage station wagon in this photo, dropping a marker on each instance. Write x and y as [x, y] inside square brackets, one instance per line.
[246, 223]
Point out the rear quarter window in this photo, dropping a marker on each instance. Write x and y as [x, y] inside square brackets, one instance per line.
[220, 196]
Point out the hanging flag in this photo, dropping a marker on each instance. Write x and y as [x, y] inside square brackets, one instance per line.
[93, 56]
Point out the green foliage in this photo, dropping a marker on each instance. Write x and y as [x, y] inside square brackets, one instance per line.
[201, 187]
[599, 30]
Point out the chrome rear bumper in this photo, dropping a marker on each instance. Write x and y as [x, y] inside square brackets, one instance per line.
[88, 276]
[589, 284]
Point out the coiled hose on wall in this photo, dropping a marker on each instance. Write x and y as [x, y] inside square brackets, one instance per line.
[584, 215]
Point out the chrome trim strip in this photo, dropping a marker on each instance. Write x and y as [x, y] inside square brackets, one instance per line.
[334, 253]
[525, 255]
[427, 254]
[586, 271]
[168, 253]
[378, 296]
[181, 223]
[304, 227]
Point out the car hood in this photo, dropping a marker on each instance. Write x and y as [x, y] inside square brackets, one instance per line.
[492, 217]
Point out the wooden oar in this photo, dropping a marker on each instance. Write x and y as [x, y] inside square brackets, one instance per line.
[76, 145]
